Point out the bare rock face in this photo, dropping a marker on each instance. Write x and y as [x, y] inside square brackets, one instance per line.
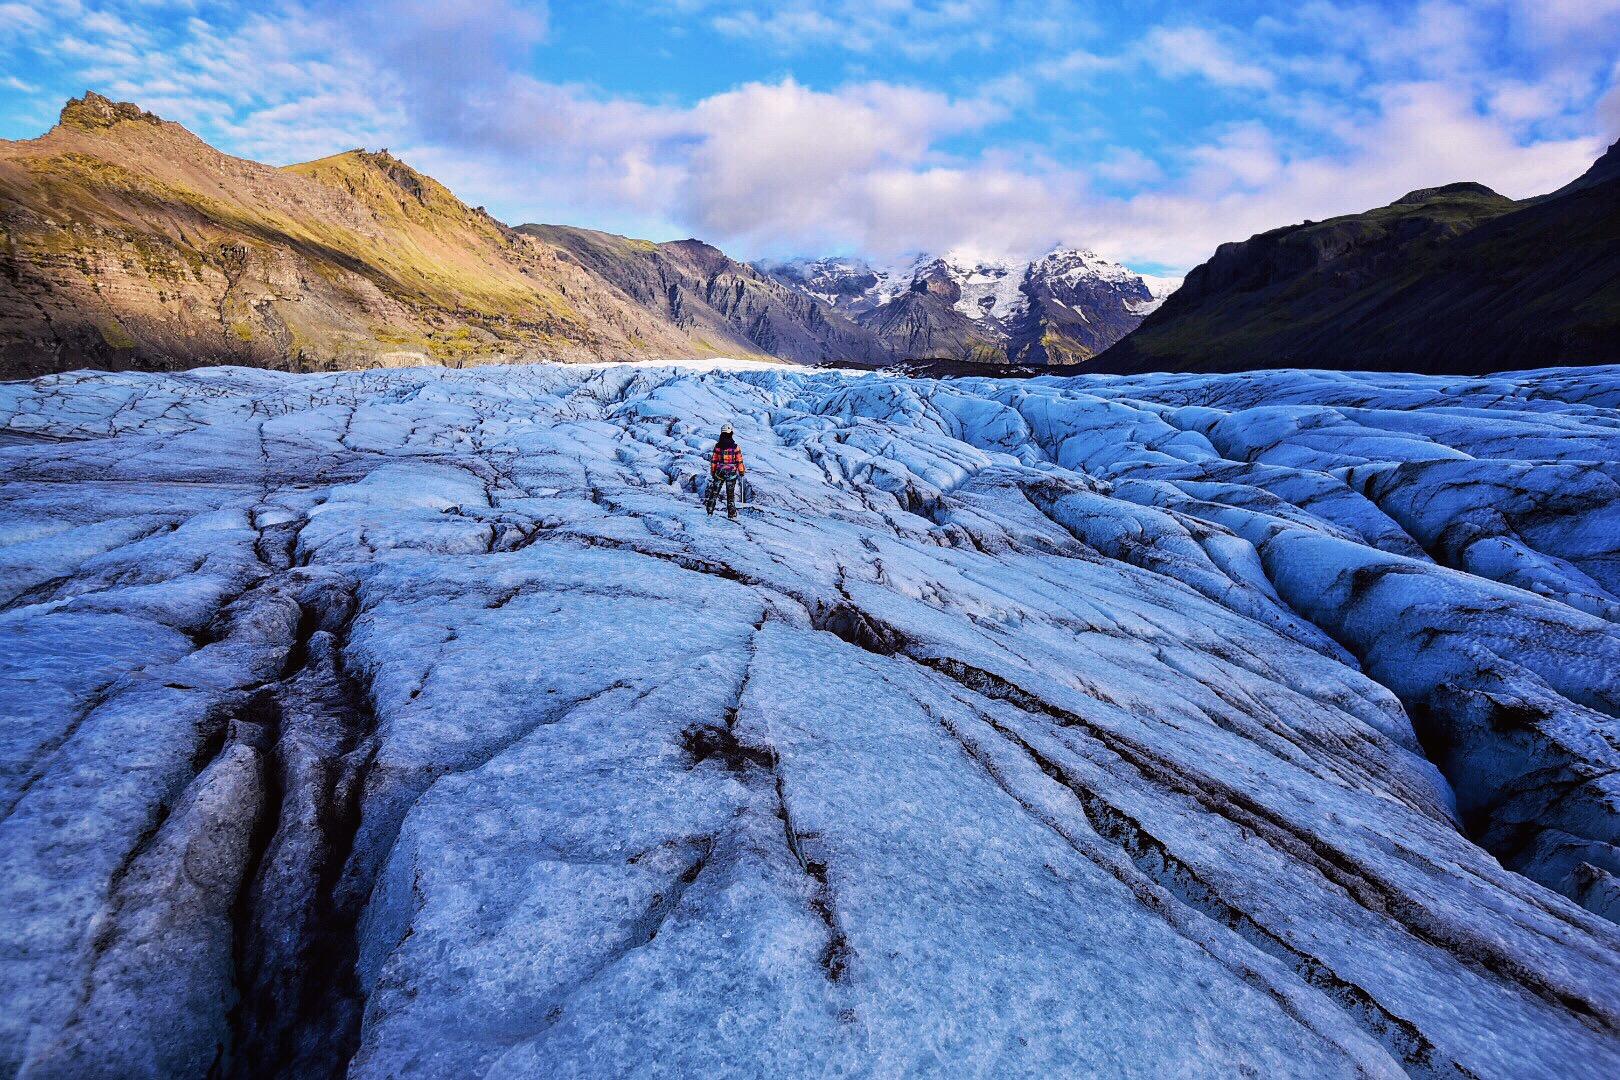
[938, 282]
[421, 723]
[94, 111]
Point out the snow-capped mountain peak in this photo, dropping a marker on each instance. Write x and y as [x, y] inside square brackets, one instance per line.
[1071, 265]
[978, 288]
[979, 302]
[981, 289]
[839, 282]
[1067, 269]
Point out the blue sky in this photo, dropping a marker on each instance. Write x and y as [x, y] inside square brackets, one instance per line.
[1149, 131]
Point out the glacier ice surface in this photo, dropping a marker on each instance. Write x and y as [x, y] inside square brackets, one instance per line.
[420, 723]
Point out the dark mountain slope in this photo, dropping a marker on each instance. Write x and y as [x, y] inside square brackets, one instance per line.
[1454, 279]
[923, 323]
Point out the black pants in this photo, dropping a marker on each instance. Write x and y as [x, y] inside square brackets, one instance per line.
[729, 483]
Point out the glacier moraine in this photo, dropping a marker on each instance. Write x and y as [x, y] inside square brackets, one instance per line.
[419, 723]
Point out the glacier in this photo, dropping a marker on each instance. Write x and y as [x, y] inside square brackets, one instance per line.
[420, 723]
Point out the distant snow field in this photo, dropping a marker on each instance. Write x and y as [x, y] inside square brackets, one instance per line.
[1160, 288]
[420, 723]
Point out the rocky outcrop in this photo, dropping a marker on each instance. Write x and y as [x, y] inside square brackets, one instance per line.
[94, 111]
[1447, 279]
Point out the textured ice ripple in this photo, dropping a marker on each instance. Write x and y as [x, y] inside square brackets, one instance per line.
[420, 723]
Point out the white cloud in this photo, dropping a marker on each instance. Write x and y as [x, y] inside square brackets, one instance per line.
[1429, 134]
[1244, 157]
[1078, 65]
[22, 18]
[783, 167]
[1608, 106]
[1240, 183]
[1124, 165]
[915, 29]
[770, 165]
[1173, 52]
[1559, 22]
[113, 25]
[1191, 50]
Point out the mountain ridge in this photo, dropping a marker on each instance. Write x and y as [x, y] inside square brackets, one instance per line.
[1455, 279]
[128, 242]
[697, 287]
[1061, 308]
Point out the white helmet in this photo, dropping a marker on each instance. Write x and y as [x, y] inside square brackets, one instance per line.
[725, 429]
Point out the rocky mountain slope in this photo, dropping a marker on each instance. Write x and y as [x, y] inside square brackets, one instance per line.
[697, 289]
[418, 723]
[1063, 308]
[1449, 279]
[1079, 305]
[127, 242]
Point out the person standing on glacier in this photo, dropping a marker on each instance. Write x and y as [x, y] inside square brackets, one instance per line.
[726, 470]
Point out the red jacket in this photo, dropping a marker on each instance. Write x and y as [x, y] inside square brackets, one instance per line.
[727, 456]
